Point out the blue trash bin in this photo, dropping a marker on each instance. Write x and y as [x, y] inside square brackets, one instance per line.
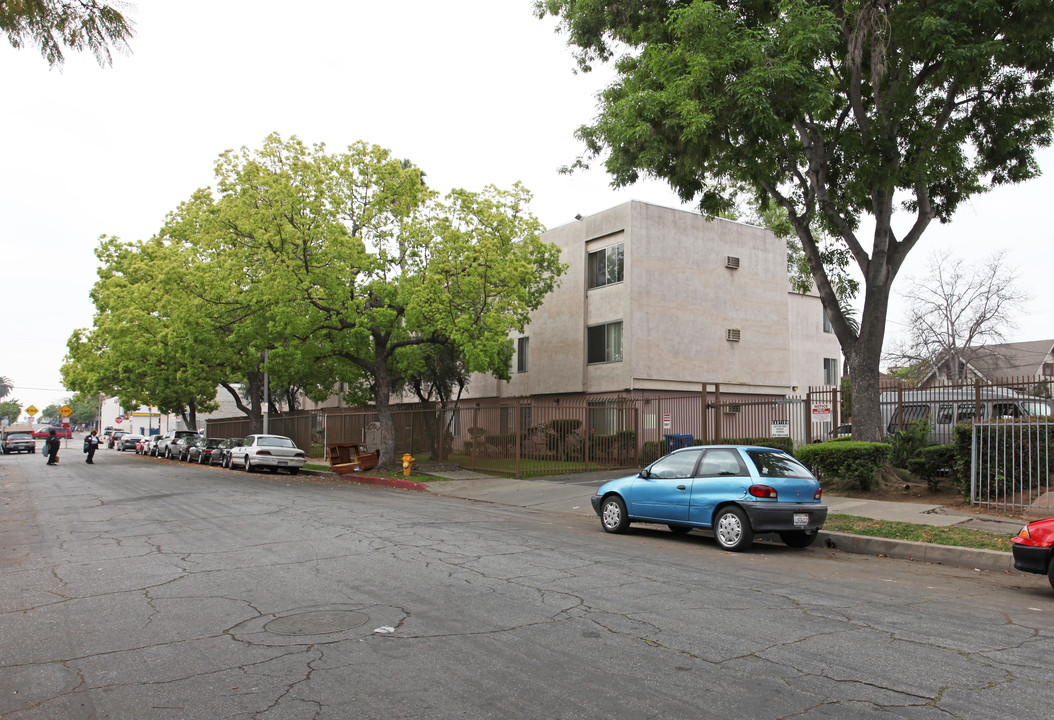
[678, 441]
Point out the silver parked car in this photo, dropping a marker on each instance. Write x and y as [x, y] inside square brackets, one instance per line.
[269, 451]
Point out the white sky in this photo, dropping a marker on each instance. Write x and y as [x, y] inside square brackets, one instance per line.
[475, 92]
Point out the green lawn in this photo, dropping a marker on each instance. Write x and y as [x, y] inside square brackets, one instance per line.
[953, 536]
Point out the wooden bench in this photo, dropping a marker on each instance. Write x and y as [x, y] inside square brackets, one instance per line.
[347, 458]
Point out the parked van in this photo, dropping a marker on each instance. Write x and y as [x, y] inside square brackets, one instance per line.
[943, 408]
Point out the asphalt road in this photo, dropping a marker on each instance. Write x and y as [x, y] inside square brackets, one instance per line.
[139, 588]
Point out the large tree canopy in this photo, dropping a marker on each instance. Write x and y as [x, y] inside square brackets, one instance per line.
[74, 24]
[837, 111]
[337, 267]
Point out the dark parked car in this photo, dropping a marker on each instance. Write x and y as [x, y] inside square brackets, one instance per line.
[127, 442]
[202, 449]
[734, 490]
[1034, 549]
[179, 448]
[17, 441]
[222, 454]
[111, 441]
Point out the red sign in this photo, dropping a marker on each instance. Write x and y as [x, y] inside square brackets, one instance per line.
[66, 425]
[118, 419]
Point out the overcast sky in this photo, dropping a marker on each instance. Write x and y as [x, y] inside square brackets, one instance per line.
[475, 92]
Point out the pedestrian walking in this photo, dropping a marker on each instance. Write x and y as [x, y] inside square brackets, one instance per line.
[91, 444]
[52, 445]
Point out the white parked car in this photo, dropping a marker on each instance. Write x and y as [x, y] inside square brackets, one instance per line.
[268, 451]
[126, 442]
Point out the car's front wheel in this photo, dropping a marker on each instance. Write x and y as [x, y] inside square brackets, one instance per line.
[732, 529]
[613, 515]
[799, 538]
[1050, 574]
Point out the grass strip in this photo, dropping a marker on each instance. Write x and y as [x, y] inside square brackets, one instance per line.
[952, 536]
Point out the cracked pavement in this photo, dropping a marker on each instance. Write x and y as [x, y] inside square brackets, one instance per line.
[138, 588]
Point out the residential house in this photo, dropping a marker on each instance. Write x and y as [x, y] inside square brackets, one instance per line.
[997, 363]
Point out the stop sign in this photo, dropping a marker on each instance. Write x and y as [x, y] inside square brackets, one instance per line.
[118, 419]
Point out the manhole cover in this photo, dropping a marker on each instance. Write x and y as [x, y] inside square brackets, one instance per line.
[317, 622]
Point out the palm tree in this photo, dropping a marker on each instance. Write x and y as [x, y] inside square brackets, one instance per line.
[6, 386]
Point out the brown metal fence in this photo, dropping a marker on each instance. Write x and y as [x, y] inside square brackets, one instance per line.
[550, 435]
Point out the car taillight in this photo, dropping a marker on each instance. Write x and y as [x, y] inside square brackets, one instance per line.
[263, 452]
[299, 454]
[817, 494]
[762, 491]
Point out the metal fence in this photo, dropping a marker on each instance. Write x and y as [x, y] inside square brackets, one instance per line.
[527, 436]
[1010, 463]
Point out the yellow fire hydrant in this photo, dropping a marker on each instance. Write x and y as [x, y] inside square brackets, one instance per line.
[408, 463]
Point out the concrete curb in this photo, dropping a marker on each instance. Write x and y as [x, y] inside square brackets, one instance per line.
[910, 550]
[370, 480]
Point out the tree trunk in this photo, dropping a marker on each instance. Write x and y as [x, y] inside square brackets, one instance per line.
[863, 356]
[382, 398]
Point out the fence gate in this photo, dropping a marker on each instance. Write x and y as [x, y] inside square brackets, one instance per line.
[1010, 464]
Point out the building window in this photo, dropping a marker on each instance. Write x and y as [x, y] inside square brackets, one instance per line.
[827, 326]
[604, 343]
[522, 344]
[830, 371]
[605, 266]
[1048, 369]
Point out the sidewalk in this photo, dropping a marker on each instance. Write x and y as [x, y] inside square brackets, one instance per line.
[571, 493]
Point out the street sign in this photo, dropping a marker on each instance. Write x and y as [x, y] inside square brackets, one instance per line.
[781, 428]
[118, 419]
[31, 410]
[666, 421]
[821, 412]
[66, 411]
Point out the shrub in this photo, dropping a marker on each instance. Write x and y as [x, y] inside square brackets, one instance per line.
[652, 451]
[858, 461]
[905, 444]
[932, 463]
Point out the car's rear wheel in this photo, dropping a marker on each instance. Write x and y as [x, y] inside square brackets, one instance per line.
[799, 538]
[168, 454]
[294, 471]
[248, 465]
[613, 515]
[679, 529]
[201, 458]
[732, 529]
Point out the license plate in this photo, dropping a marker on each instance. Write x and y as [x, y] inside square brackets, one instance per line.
[801, 519]
[285, 462]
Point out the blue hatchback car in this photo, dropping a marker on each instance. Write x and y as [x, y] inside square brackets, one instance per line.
[737, 491]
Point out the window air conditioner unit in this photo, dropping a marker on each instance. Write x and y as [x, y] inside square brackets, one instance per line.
[732, 334]
[733, 409]
[732, 262]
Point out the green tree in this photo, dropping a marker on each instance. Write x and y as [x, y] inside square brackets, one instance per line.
[353, 267]
[138, 348]
[10, 409]
[832, 110]
[74, 24]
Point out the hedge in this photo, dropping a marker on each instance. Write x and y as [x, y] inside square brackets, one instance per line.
[859, 461]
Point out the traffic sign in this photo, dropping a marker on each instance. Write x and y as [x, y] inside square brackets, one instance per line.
[31, 410]
[66, 411]
[118, 419]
